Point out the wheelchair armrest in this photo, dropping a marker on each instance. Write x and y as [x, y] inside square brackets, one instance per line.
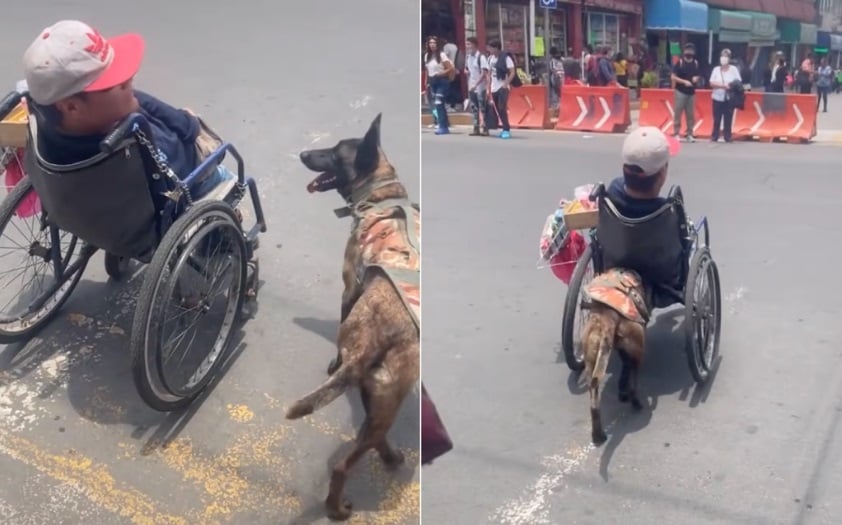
[597, 192]
[120, 133]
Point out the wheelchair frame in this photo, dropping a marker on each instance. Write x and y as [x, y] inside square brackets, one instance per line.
[701, 343]
[179, 224]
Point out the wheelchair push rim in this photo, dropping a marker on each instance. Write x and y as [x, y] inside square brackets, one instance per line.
[197, 277]
[54, 259]
[575, 317]
[703, 318]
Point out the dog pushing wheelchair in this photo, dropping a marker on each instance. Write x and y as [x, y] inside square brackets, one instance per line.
[673, 257]
[127, 202]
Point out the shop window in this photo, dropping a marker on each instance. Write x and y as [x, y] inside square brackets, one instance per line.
[604, 30]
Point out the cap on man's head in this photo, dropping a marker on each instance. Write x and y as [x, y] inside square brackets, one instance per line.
[70, 57]
[647, 148]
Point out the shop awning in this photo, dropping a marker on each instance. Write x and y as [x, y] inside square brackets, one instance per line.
[774, 7]
[676, 15]
[836, 42]
[764, 29]
[733, 28]
[793, 32]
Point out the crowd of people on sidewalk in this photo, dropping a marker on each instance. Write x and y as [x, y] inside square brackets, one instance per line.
[491, 73]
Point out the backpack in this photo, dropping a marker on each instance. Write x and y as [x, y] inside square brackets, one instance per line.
[503, 71]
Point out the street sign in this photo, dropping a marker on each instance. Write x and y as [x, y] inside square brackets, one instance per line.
[548, 4]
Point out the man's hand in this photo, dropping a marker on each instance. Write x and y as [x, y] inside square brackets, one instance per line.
[696, 79]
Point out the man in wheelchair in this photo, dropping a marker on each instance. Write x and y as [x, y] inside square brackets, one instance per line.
[638, 228]
[81, 87]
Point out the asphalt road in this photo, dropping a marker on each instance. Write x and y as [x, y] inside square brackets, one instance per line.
[760, 446]
[77, 445]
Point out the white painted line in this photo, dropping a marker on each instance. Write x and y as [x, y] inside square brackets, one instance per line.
[606, 113]
[533, 507]
[583, 113]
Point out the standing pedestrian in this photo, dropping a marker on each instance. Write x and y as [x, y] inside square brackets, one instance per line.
[621, 70]
[685, 76]
[721, 79]
[824, 79]
[555, 77]
[779, 73]
[438, 71]
[806, 75]
[476, 67]
[502, 68]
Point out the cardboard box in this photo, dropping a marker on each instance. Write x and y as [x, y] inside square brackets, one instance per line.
[13, 132]
[580, 216]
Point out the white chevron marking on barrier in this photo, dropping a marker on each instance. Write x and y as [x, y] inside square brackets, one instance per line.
[800, 118]
[668, 125]
[606, 113]
[761, 117]
[583, 113]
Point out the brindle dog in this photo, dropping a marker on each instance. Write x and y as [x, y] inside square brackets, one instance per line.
[618, 316]
[378, 342]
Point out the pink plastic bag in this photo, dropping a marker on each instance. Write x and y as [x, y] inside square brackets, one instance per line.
[31, 205]
[564, 262]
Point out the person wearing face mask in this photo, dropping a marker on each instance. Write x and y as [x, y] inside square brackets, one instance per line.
[685, 77]
[721, 79]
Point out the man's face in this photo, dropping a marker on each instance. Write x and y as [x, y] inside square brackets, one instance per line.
[491, 50]
[98, 111]
[469, 47]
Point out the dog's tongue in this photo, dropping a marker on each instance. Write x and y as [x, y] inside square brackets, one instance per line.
[311, 188]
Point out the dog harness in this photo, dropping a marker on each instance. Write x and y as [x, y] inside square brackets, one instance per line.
[388, 234]
[620, 289]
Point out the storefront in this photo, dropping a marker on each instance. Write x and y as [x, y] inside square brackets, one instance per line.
[822, 48]
[613, 23]
[798, 37]
[836, 50]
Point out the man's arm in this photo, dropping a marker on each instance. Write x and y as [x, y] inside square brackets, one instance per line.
[180, 121]
[511, 71]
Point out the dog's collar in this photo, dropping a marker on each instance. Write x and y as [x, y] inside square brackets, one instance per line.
[358, 197]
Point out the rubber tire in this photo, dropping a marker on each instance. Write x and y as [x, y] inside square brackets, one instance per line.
[116, 267]
[698, 369]
[571, 303]
[7, 208]
[146, 303]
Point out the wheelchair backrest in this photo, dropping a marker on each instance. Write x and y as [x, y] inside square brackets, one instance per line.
[653, 245]
[105, 201]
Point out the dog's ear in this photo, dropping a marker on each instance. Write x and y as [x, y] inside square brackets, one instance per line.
[368, 152]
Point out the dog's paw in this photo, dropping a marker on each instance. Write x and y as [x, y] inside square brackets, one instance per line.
[636, 404]
[333, 366]
[598, 438]
[339, 512]
[393, 460]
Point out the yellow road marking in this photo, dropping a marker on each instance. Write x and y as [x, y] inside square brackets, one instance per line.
[93, 479]
[240, 413]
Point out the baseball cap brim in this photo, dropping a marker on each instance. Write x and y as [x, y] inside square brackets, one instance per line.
[128, 55]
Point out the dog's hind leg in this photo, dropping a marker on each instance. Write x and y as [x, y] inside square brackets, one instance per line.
[633, 340]
[598, 436]
[623, 387]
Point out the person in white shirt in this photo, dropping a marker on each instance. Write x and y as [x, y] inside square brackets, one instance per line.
[476, 67]
[438, 69]
[721, 79]
[501, 78]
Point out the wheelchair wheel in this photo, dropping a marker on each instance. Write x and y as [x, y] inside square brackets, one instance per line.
[703, 315]
[574, 317]
[35, 279]
[197, 276]
[116, 267]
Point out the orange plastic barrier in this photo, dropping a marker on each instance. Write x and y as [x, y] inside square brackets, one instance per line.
[771, 116]
[595, 109]
[657, 109]
[766, 116]
[528, 108]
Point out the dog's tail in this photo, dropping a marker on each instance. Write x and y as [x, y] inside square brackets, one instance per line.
[335, 386]
[603, 340]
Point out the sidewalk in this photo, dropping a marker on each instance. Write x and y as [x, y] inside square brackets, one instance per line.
[829, 124]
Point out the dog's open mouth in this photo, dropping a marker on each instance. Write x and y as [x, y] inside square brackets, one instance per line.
[324, 182]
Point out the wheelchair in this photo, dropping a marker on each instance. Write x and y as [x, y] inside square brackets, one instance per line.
[127, 202]
[672, 256]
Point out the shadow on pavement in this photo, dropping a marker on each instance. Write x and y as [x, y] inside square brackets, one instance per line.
[86, 348]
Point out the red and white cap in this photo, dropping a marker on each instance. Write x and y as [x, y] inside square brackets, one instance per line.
[70, 57]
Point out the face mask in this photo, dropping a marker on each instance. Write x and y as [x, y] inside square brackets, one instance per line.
[688, 57]
[723, 61]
